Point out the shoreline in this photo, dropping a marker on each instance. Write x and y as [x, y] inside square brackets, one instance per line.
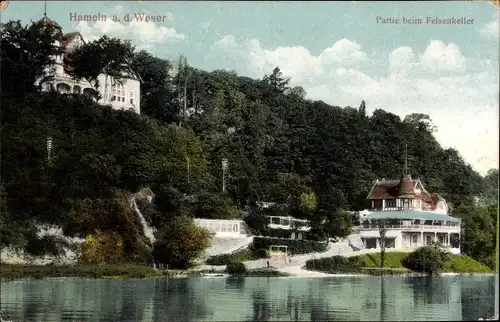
[10, 273]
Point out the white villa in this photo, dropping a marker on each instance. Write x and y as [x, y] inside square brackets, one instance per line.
[413, 217]
[124, 96]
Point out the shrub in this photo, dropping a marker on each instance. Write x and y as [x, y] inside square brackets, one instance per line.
[294, 246]
[238, 256]
[180, 242]
[334, 264]
[46, 245]
[236, 268]
[429, 259]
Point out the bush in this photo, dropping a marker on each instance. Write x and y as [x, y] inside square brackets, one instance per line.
[294, 246]
[91, 271]
[429, 259]
[238, 256]
[334, 264]
[236, 268]
[46, 245]
[180, 242]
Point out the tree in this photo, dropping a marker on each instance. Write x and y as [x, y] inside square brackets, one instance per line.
[429, 259]
[421, 122]
[362, 108]
[157, 92]
[297, 91]
[180, 242]
[489, 194]
[109, 56]
[382, 228]
[27, 55]
[276, 80]
[478, 238]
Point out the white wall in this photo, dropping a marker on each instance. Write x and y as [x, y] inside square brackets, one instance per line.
[222, 228]
[130, 85]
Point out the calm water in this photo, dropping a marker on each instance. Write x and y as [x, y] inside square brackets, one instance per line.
[251, 299]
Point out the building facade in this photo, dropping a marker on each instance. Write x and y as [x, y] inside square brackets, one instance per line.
[124, 95]
[223, 228]
[409, 216]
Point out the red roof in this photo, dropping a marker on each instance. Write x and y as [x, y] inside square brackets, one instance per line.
[389, 189]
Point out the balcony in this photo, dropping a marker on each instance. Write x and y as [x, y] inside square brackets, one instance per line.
[412, 227]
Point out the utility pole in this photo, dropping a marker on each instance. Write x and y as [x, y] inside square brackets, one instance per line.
[225, 164]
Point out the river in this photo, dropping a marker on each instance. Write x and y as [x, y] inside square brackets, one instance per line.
[251, 299]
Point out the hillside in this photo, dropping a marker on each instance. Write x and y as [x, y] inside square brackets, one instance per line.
[315, 158]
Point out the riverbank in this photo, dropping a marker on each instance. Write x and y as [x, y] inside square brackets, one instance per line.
[118, 271]
[369, 264]
[302, 271]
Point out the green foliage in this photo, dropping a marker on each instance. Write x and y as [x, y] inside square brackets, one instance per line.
[214, 206]
[109, 56]
[479, 232]
[428, 259]
[236, 268]
[243, 255]
[465, 264]
[391, 260]
[335, 264]
[46, 245]
[10, 272]
[27, 51]
[315, 159]
[180, 242]
[294, 246]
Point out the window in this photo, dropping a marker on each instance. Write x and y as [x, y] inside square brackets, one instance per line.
[217, 227]
[390, 203]
[223, 228]
[118, 93]
[131, 97]
[414, 239]
[235, 227]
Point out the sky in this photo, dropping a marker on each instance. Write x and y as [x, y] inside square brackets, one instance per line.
[339, 52]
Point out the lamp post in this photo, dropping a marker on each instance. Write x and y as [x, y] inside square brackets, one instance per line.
[49, 147]
[225, 164]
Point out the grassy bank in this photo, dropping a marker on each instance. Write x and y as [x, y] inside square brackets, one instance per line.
[124, 271]
[370, 264]
[10, 272]
[457, 263]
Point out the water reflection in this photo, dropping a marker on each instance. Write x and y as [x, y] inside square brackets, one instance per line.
[251, 299]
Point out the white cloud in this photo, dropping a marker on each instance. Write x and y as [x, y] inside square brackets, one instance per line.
[463, 103]
[227, 42]
[491, 30]
[343, 52]
[401, 57]
[442, 57]
[145, 35]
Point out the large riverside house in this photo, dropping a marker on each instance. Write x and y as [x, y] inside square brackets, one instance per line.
[124, 96]
[413, 217]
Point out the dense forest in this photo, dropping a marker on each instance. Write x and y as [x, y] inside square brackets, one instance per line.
[312, 157]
